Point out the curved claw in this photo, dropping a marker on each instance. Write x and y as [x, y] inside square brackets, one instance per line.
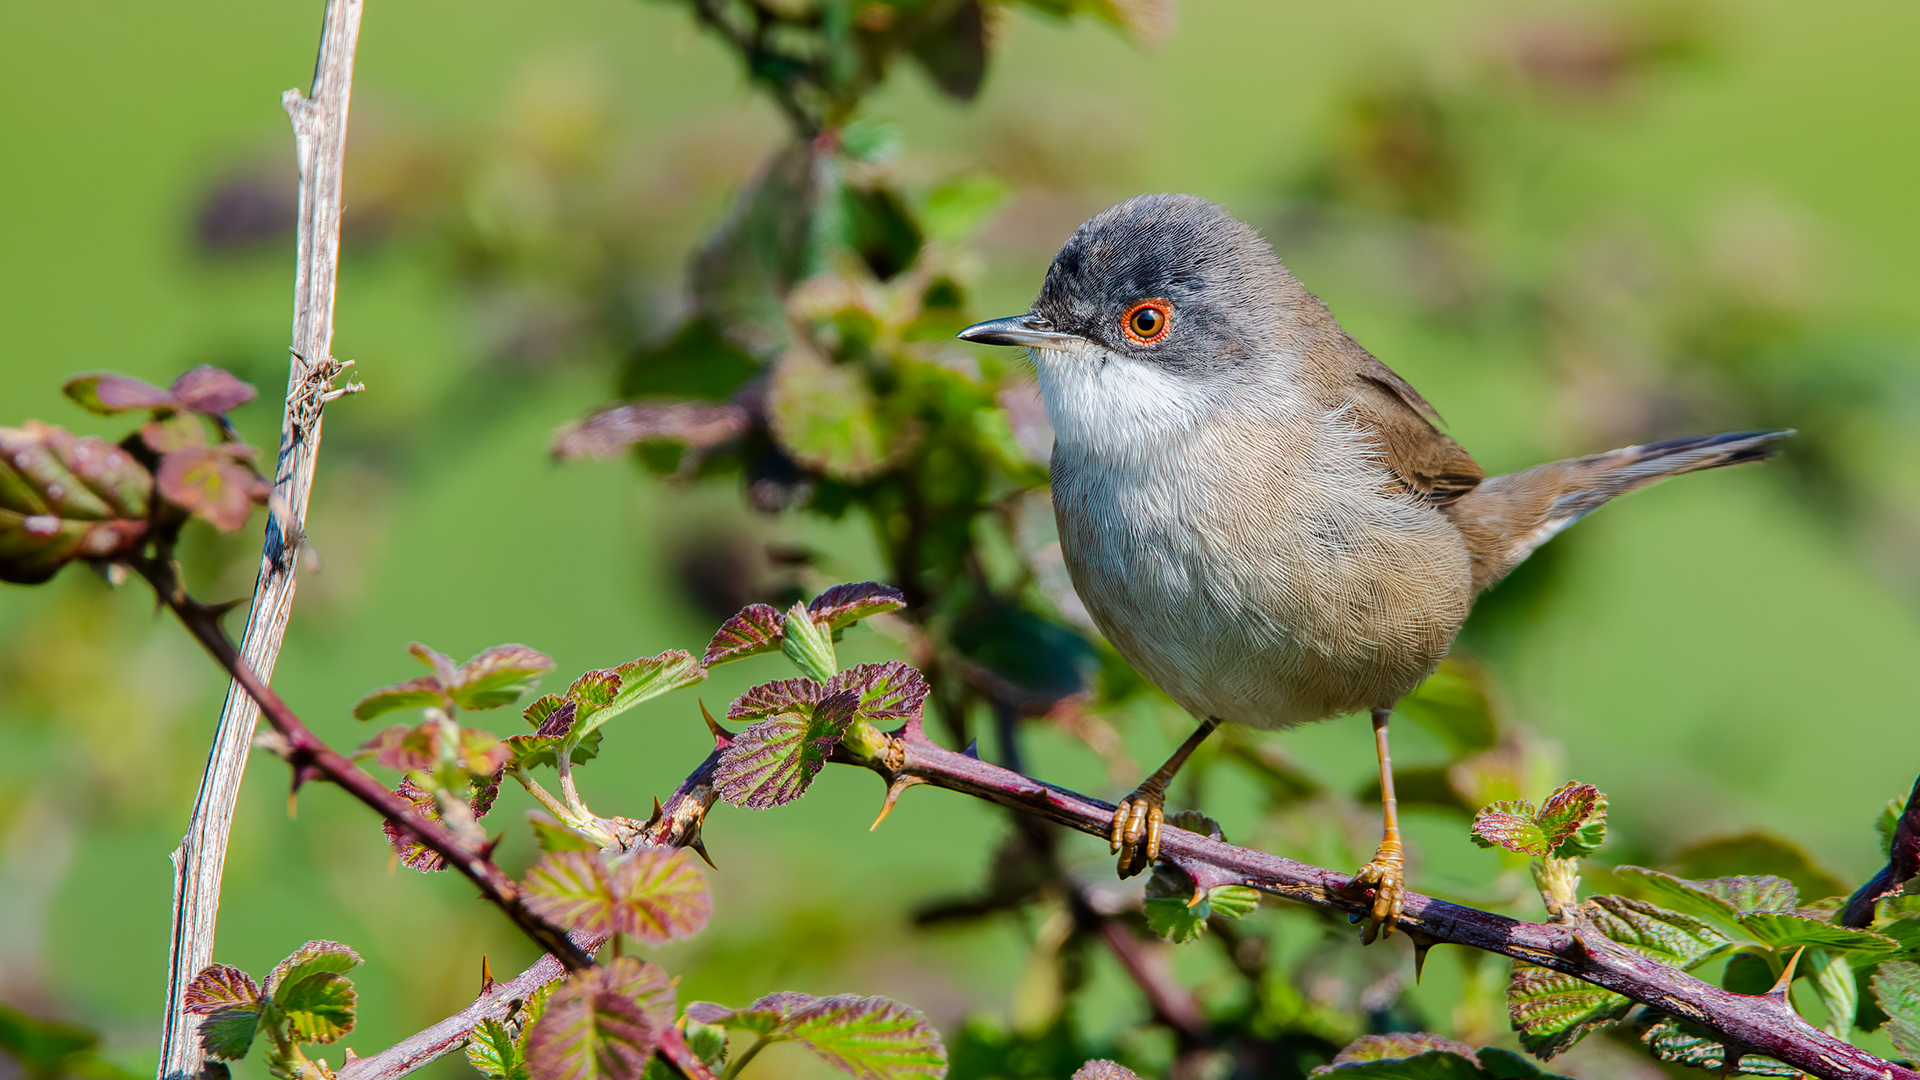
[1135, 832]
[1387, 874]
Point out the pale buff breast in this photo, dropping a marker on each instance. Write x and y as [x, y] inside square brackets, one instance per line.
[1259, 583]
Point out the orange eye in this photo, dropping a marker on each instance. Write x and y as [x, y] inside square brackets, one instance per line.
[1146, 322]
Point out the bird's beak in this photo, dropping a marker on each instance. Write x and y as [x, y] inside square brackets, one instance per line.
[1028, 329]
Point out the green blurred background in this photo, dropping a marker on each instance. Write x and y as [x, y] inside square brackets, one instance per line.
[1725, 238]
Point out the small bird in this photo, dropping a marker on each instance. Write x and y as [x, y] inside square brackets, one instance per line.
[1264, 519]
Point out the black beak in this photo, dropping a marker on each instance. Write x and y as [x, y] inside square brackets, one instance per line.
[1028, 329]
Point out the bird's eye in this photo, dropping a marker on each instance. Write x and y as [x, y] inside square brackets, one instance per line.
[1146, 322]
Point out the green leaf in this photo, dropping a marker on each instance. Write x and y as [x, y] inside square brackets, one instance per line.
[1424, 1056]
[643, 680]
[1720, 901]
[1510, 825]
[229, 1003]
[1233, 901]
[497, 676]
[871, 1038]
[956, 207]
[741, 277]
[756, 1021]
[827, 417]
[1574, 820]
[1688, 1044]
[1171, 918]
[808, 645]
[413, 694]
[597, 1026]
[1896, 986]
[595, 689]
[756, 629]
[553, 836]
[1778, 930]
[1672, 938]
[318, 1008]
[1837, 989]
[953, 50]
[659, 894]
[206, 482]
[1455, 703]
[494, 1051]
[313, 958]
[1552, 1011]
[107, 393]
[774, 761]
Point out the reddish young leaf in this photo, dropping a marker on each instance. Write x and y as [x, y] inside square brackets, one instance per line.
[1570, 810]
[659, 895]
[404, 748]
[1102, 1069]
[889, 691]
[106, 393]
[220, 986]
[1510, 825]
[63, 497]
[844, 605]
[210, 390]
[756, 629]
[774, 761]
[595, 689]
[497, 676]
[206, 482]
[779, 696]
[572, 888]
[595, 1026]
[179, 431]
[412, 852]
[871, 1038]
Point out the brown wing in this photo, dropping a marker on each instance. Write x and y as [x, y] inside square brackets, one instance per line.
[1425, 459]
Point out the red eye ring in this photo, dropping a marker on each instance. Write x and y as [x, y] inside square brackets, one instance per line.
[1147, 322]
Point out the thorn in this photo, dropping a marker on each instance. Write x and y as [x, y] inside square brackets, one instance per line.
[1422, 945]
[219, 611]
[973, 749]
[658, 812]
[486, 974]
[351, 1056]
[1779, 993]
[486, 848]
[894, 789]
[721, 738]
[699, 847]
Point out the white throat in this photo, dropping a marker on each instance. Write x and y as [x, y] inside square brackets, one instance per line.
[1101, 405]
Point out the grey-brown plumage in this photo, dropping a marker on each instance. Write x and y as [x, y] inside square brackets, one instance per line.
[1261, 516]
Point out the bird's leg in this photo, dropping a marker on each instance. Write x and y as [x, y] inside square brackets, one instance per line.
[1387, 873]
[1135, 835]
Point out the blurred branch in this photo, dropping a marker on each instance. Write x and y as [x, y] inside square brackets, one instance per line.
[320, 136]
[311, 757]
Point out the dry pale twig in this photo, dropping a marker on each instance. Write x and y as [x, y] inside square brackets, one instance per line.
[320, 135]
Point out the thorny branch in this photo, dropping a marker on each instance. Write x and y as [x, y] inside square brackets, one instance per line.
[1760, 1024]
[320, 139]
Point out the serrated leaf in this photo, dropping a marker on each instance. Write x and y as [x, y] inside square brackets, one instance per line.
[659, 894]
[595, 1027]
[219, 986]
[1756, 853]
[871, 1038]
[779, 696]
[889, 691]
[1667, 936]
[497, 676]
[1687, 1044]
[571, 888]
[209, 390]
[494, 1051]
[1425, 1056]
[412, 694]
[1171, 918]
[595, 689]
[1510, 825]
[107, 393]
[643, 680]
[1896, 986]
[1552, 1011]
[414, 854]
[229, 1003]
[1574, 820]
[313, 958]
[206, 482]
[1233, 901]
[1102, 1069]
[319, 1008]
[1714, 899]
[532, 751]
[1781, 930]
[757, 1021]
[843, 605]
[774, 761]
[755, 630]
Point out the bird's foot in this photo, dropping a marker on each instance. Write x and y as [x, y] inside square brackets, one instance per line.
[1387, 875]
[1135, 833]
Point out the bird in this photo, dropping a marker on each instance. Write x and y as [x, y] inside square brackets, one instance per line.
[1264, 519]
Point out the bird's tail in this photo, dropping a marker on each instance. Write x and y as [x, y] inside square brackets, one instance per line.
[1508, 516]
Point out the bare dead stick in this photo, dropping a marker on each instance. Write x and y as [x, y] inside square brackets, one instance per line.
[320, 136]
